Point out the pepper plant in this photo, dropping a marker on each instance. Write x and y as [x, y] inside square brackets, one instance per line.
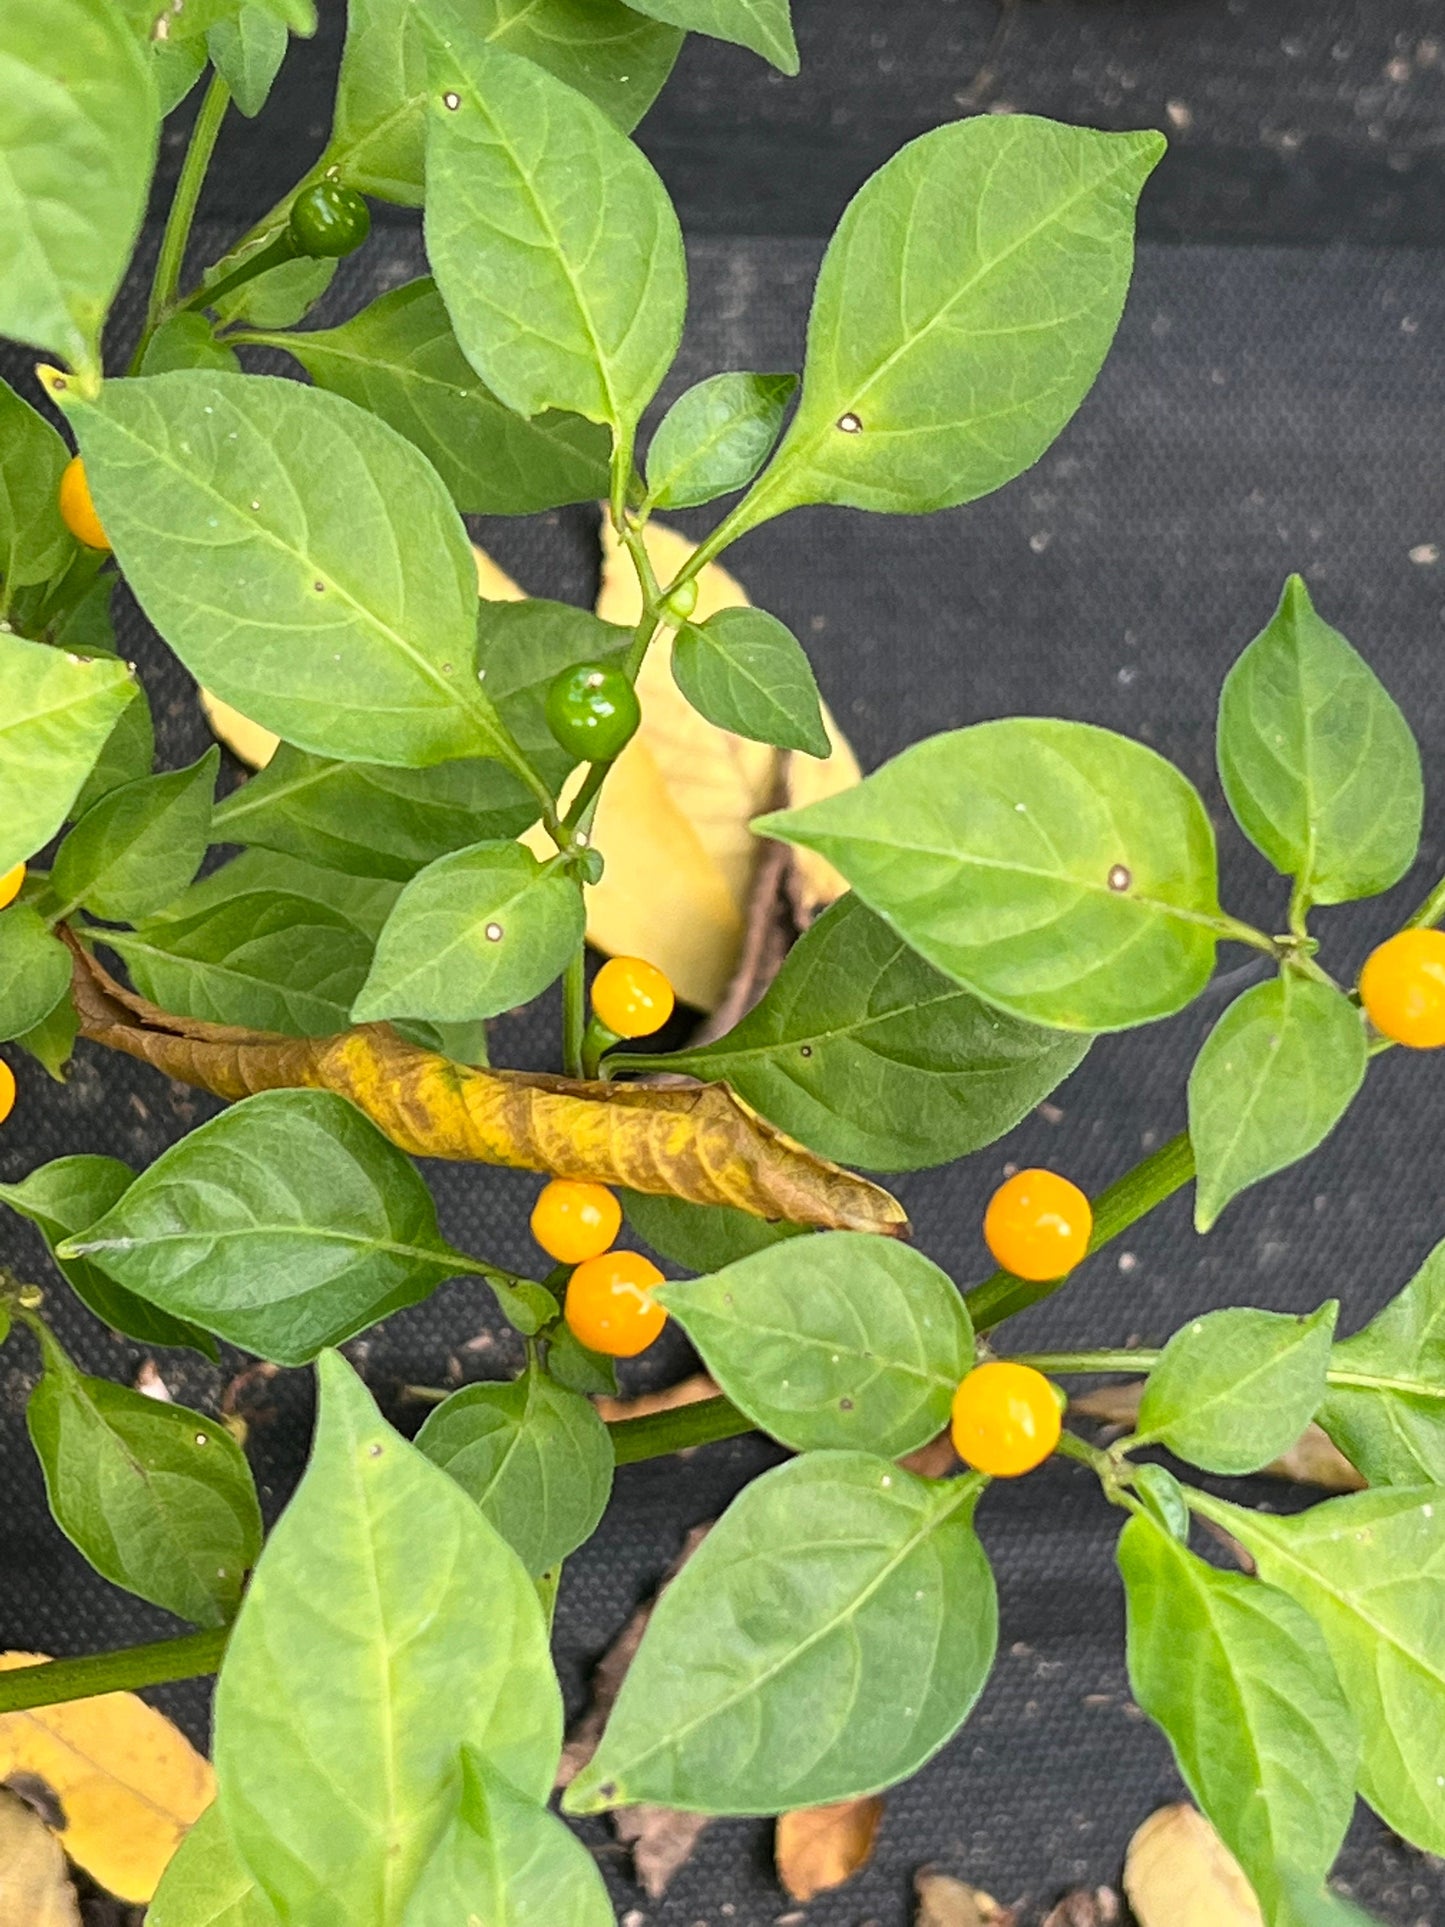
[388, 1723]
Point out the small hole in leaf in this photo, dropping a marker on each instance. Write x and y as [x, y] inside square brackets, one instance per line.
[451, 102]
[201, 1439]
[319, 587]
[851, 424]
[1120, 878]
[805, 1050]
[373, 1451]
[494, 933]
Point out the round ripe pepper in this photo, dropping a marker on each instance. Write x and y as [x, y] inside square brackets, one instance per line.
[593, 711]
[1006, 1419]
[7, 1095]
[329, 220]
[1402, 988]
[1038, 1225]
[608, 1308]
[573, 1220]
[632, 997]
[11, 884]
[77, 510]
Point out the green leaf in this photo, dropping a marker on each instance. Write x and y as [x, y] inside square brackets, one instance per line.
[715, 438]
[57, 712]
[1163, 1497]
[34, 970]
[764, 25]
[79, 121]
[247, 53]
[135, 850]
[356, 632]
[552, 240]
[1236, 1388]
[52, 1040]
[368, 820]
[703, 1237]
[365, 902]
[176, 66]
[387, 1626]
[534, 1456]
[1059, 871]
[509, 1862]
[600, 47]
[579, 1369]
[35, 544]
[277, 297]
[830, 1634]
[1275, 1076]
[1318, 764]
[1308, 1904]
[267, 960]
[840, 1340]
[475, 933]
[1241, 1681]
[870, 1056]
[285, 1224]
[159, 1499]
[205, 1885]
[130, 748]
[197, 18]
[1388, 1414]
[1369, 1568]
[962, 311]
[64, 1197]
[400, 359]
[743, 670]
[187, 340]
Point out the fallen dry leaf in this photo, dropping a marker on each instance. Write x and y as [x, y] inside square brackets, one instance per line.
[1179, 1873]
[946, 1902]
[255, 746]
[682, 900]
[697, 1142]
[127, 1782]
[661, 1838]
[35, 1889]
[1085, 1907]
[818, 1848]
[688, 1391]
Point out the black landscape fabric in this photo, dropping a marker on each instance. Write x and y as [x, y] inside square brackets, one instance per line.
[1275, 401]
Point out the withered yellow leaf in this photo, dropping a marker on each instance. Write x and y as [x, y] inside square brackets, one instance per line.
[946, 1902]
[818, 1848]
[35, 1889]
[255, 746]
[1179, 1873]
[128, 1783]
[680, 900]
[697, 1142]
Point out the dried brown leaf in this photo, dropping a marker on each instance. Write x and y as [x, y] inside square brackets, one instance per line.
[661, 1838]
[818, 1848]
[688, 1391]
[35, 1889]
[1179, 1873]
[1086, 1907]
[934, 1460]
[946, 1902]
[697, 1142]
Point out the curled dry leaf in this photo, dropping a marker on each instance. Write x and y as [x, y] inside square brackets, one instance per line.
[699, 1143]
[1086, 1907]
[128, 1783]
[946, 1902]
[35, 1889]
[818, 1848]
[1314, 1459]
[688, 1391]
[1179, 1873]
[673, 820]
[661, 1838]
[249, 743]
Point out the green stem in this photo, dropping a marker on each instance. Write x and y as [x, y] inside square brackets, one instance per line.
[54, 1680]
[574, 1011]
[171, 258]
[1085, 1363]
[281, 250]
[1431, 910]
[653, 1437]
[1127, 1200]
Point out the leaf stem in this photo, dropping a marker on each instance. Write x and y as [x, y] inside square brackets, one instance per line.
[170, 260]
[574, 1011]
[1431, 910]
[273, 255]
[1083, 1364]
[653, 1437]
[1125, 1201]
[54, 1680]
